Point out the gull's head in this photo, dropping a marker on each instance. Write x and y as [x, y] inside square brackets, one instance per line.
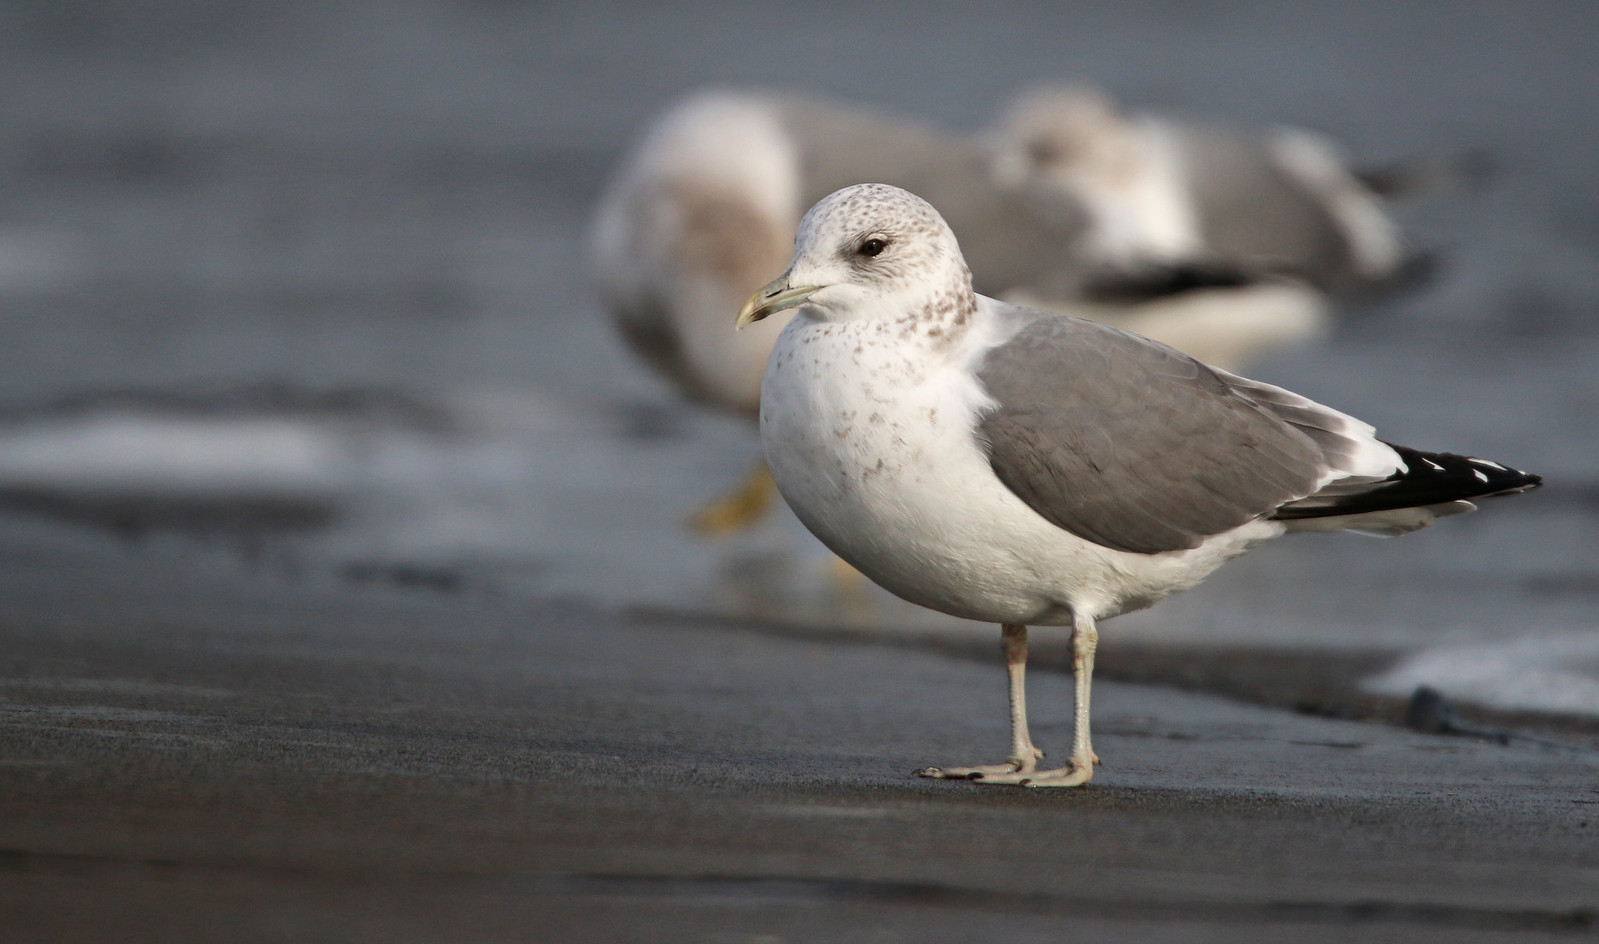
[1068, 135]
[870, 251]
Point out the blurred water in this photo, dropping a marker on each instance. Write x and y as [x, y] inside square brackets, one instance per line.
[332, 258]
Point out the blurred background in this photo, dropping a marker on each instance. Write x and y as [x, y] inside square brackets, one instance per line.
[304, 288]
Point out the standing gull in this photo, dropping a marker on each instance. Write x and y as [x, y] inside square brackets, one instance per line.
[1014, 466]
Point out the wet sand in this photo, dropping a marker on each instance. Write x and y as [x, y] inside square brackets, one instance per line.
[194, 752]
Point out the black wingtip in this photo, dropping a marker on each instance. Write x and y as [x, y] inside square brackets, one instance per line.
[1446, 472]
[1428, 478]
[1153, 282]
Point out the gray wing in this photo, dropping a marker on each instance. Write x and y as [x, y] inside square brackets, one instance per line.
[1252, 211]
[1130, 444]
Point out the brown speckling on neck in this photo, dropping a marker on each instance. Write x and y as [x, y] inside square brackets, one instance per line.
[950, 311]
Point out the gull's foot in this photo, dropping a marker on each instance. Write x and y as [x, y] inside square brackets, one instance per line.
[1073, 776]
[986, 772]
[1013, 766]
[1009, 775]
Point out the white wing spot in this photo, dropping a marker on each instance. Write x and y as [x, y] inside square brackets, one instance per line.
[1483, 476]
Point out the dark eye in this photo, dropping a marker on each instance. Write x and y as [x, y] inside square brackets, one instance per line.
[1045, 152]
[873, 246]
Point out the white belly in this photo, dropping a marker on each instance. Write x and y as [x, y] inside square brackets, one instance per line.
[875, 453]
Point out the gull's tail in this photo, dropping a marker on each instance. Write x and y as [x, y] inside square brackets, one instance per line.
[1427, 486]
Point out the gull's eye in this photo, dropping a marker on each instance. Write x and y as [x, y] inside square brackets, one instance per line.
[1045, 152]
[872, 247]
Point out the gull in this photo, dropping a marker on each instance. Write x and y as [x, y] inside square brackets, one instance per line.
[1280, 198]
[705, 208]
[1014, 466]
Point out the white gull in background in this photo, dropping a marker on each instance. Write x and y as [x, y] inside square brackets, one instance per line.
[704, 209]
[1013, 466]
[1281, 199]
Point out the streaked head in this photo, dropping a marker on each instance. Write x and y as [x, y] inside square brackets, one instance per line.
[865, 251]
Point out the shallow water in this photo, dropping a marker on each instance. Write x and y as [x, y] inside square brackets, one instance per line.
[312, 280]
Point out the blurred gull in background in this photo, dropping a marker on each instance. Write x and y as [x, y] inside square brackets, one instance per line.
[711, 196]
[1279, 199]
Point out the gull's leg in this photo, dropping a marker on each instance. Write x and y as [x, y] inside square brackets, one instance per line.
[1024, 756]
[1079, 767]
[1085, 640]
[740, 508]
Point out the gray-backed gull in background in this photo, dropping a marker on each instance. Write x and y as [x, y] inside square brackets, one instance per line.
[1280, 199]
[1013, 466]
[704, 209]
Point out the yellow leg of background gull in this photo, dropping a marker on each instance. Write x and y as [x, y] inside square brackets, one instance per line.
[739, 509]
